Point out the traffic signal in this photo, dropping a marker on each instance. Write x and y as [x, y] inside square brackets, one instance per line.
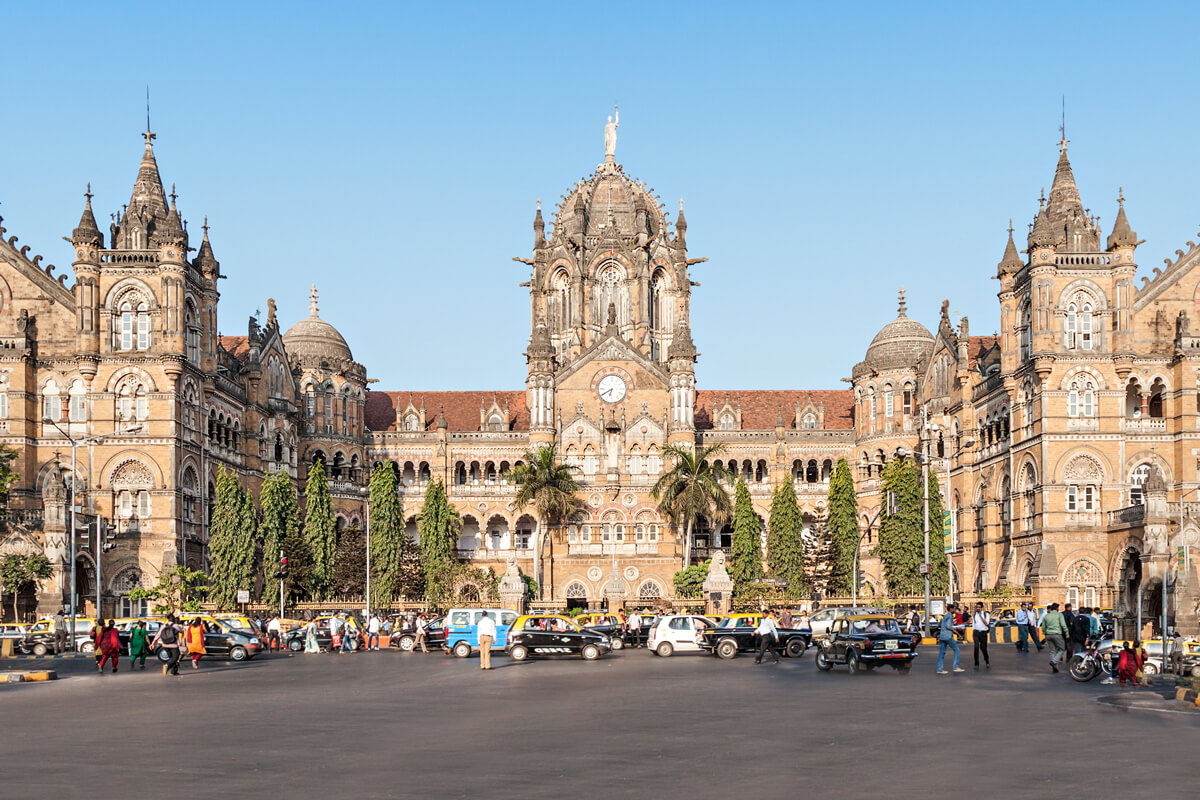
[861, 577]
[110, 537]
[283, 567]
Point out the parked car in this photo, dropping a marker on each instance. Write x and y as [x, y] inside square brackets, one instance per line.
[14, 631]
[219, 642]
[736, 635]
[678, 633]
[554, 635]
[460, 629]
[435, 636]
[294, 640]
[823, 619]
[608, 624]
[868, 640]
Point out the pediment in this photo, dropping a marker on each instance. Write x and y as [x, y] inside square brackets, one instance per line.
[612, 348]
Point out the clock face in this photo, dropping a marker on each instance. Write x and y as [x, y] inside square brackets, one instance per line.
[611, 389]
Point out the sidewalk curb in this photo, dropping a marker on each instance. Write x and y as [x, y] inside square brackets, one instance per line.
[29, 677]
[47, 656]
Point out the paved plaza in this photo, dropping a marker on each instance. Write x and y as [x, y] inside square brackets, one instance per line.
[379, 725]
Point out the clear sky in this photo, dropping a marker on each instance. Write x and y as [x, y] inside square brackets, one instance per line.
[393, 153]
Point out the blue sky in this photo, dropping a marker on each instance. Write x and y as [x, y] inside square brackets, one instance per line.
[393, 154]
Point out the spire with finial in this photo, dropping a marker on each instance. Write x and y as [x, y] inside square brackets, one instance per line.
[903, 306]
[87, 232]
[441, 418]
[1011, 262]
[539, 227]
[681, 227]
[312, 301]
[205, 259]
[1122, 234]
[1042, 234]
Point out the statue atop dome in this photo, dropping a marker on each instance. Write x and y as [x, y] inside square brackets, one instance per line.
[610, 136]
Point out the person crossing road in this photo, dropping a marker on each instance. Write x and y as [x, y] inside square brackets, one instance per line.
[981, 625]
[768, 637]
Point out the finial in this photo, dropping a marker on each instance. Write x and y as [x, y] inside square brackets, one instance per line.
[903, 306]
[148, 134]
[1042, 199]
[1010, 227]
[680, 201]
[173, 195]
[205, 227]
[1062, 144]
[539, 207]
[1120, 196]
[312, 301]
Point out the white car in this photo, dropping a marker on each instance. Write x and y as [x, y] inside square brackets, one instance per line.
[822, 620]
[678, 633]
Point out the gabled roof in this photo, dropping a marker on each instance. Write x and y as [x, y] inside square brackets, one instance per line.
[236, 346]
[461, 408]
[760, 408]
[979, 347]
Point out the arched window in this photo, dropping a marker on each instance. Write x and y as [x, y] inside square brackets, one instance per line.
[77, 408]
[560, 302]
[1081, 398]
[191, 494]
[1078, 324]
[610, 293]
[412, 423]
[133, 405]
[52, 407]
[134, 323]
[1137, 482]
[191, 321]
[1024, 333]
[809, 423]
[728, 422]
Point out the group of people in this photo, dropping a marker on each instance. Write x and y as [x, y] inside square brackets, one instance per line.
[107, 640]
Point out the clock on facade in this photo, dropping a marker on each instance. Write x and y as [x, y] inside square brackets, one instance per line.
[611, 389]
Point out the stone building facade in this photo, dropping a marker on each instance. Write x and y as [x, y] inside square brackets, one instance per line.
[1066, 441]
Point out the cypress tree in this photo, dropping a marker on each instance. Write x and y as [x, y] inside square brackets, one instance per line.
[901, 545]
[438, 525]
[841, 531]
[280, 532]
[231, 545]
[387, 536]
[320, 529]
[745, 560]
[785, 549]
[350, 565]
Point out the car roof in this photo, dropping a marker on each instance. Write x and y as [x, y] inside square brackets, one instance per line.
[856, 617]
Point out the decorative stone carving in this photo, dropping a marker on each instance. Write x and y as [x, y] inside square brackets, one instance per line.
[131, 474]
[1083, 469]
[631, 573]
[512, 586]
[594, 573]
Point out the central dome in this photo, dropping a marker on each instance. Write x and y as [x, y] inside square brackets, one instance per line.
[902, 343]
[313, 341]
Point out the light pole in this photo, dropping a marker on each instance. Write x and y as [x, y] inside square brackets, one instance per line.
[74, 495]
[854, 578]
[366, 492]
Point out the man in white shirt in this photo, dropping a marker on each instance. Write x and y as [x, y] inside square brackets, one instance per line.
[635, 629]
[373, 632]
[768, 635]
[274, 631]
[335, 629]
[486, 628]
[981, 625]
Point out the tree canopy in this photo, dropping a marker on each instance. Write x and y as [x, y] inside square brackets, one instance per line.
[841, 530]
[785, 548]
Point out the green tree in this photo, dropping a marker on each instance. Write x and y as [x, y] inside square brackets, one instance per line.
[178, 590]
[548, 485]
[280, 531]
[7, 474]
[387, 536]
[745, 558]
[231, 542]
[350, 564]
[692, 489]
[690, 582]
[438, 525]
[18, 570]
[841, 531]
[901, 546]
[320, 530]
[785, 548]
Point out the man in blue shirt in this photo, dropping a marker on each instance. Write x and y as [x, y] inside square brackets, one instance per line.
[1024, 619]
[946, 630]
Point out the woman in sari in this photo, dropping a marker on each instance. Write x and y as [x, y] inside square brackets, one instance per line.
[138, 645]
[310, 638]
[193, 637]
[109, 645]
[1130, 663]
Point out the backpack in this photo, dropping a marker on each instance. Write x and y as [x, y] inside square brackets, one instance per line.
[168, 635]
[1082, 627]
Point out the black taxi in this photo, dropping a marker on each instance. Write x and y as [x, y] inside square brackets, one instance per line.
[538, 635]
[736, 634]
[866, 640]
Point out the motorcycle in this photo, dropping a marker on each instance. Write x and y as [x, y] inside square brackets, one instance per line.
[1096, 659]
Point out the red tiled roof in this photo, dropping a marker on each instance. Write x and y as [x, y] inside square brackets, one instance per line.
[978, 347]
[760, 408]
[237, 346]
[461, 408]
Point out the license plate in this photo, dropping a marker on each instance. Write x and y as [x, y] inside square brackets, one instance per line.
[890, 644]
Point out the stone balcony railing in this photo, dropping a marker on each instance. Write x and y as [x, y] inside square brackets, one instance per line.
[1130, 515]
[1144, 425]
[602, 549]
[492, 553]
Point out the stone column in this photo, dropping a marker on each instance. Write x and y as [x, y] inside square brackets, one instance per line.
[615, 590]
[718, 586]
[55, 593]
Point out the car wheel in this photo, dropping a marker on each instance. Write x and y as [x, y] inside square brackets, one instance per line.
[823, 662]
[795, 648]
[238, 653]
[617, 643]
[163, 655]
[462, 650]
[726, 649]
[518, 652]
[353, 645]
[1196, 672]
[406, 643]
[1149, 668]
[590, 652]
[295, 645]
[665, 649]
[40, 649]
[88, 648]
[851, 662]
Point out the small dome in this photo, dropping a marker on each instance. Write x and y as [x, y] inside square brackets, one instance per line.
[313, 341]
[902, 343]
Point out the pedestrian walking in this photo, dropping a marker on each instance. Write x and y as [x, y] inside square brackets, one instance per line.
[768, 637]
[108, 645]
[138, 648]
[785, 619]
[1025, 626]
[634, 626]
[981, 628]
[194, 639]
[1080, 629]
[349, 634]
[1054, 628]
[1069, 615]
[486, 630]
[946, 639]
[335, 634]
[168, 638]
[310, 638]
[421, 634]
[60, 631]
[373, 625]
[913, 621]
[1130, 663]
[274, 632]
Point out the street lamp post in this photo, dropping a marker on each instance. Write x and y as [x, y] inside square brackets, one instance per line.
[74, 496]
[854, 578]
[366, 492]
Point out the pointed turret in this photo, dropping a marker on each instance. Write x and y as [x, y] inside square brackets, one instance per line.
[1042, 234]
[682, 345]
[1122, 234]
[171, 230]
[539, 228]
[681, 228]
[205, 260]
[147, 209]
[1011, 262]
[87, 232]
[441, 419]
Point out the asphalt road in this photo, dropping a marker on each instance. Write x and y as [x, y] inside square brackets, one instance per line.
[391, 725]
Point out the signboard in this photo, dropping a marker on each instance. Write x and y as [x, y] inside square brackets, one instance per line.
[937, 606]
[924, 569]
[243, 596]
[949, 534]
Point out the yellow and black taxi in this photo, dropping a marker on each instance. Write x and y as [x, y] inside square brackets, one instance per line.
[866, 640]
[610, 625]
[541, 635]
[735, 634]
[220, 640]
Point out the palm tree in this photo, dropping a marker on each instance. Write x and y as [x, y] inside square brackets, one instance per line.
[692, 488]
[550, 487]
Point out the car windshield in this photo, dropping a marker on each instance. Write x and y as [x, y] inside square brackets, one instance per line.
[881, 625]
